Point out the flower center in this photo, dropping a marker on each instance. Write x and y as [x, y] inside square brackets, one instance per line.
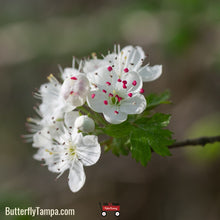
[114, 98]
[72, 151]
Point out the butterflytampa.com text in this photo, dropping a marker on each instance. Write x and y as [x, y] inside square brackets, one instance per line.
[37, 211]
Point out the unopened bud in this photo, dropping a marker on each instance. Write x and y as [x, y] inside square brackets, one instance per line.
[85, 124]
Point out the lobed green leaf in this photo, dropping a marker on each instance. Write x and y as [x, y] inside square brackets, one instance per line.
[149, 133]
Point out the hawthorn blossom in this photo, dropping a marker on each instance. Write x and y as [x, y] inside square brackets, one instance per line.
[130, 59]
[53, 104]
[116, 95]
[61, 149]
[59, 98]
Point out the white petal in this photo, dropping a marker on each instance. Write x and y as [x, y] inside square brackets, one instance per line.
[134, 105]
[50, 91]
[96, 101]
[89, 150]
[93, 65]
[56, 165]
[42, 138]
[114, 118]
[70, 117]
[41, 154]
[76, 176]
[150, 73]
[135, 56]
[100, 77]
[111, 58]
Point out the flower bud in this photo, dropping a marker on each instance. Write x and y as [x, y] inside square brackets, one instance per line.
[85, 124]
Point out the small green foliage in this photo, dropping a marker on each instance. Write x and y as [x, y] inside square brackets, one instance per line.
[153, 100]
[142, 134]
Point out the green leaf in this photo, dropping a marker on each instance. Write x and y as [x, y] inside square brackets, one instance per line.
[157, 120]
[149, 133]
[140, 150]
[118, 130]
[120, 146]
[153, 100]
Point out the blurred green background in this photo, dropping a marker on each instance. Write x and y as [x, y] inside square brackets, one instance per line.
[183, 35]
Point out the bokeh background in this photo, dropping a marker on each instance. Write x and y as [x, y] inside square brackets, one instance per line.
[183, 35]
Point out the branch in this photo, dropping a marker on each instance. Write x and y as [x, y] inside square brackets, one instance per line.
[197, 141]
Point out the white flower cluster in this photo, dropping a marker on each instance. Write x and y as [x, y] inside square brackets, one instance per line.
[111, 86]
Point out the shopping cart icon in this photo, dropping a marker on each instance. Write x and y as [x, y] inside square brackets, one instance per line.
[109, 207]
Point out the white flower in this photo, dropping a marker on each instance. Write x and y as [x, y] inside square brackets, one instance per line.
[116, 95]
[85, 124]
[58, 98]
[53, 104]
[64, 149]
[130, 59]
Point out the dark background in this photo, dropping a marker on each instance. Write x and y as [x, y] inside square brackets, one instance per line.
[184, 36]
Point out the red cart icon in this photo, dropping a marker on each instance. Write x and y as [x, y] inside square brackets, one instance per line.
[110, 207]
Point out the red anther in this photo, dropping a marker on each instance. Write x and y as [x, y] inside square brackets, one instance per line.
[109, 68]
[73, 78]
[124, 86]
[71, 92]
[116, 112]
[93, 96]
[134, 83]
[108, 83]
[126, 70]
[124, 81]
[141, 90]
[110, 95]
[119, 98]
[119, 80]
[104, 90]
[105, 102]
[130, 94]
